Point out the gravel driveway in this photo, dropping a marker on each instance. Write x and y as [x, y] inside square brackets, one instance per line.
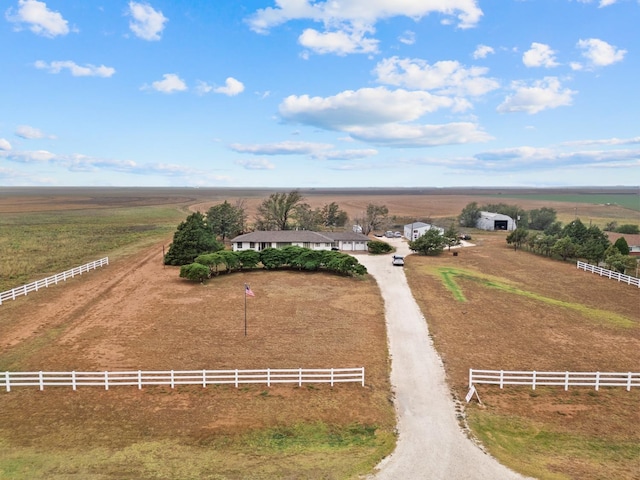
[431, 444]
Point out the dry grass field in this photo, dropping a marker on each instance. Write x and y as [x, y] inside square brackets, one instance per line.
[488, 307]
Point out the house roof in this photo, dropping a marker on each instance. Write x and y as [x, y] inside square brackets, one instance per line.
[633, 239]
[493, 215]
[304, 236]
[417, 225]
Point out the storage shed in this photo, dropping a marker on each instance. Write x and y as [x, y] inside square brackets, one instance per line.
[495, 221]
[415, 230]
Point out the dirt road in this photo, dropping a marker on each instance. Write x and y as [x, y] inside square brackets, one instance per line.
[431, 444]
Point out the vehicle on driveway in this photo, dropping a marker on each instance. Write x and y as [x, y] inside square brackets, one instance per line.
[398, 260]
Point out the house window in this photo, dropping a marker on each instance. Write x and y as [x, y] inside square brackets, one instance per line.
[239, 245]
[306, 245]
[252, 244]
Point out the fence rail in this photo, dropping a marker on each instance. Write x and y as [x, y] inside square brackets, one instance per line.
[563, 379]
[603, 272]
[140, 378]
[53, 280]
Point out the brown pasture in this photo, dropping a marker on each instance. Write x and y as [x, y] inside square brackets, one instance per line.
[136, 313]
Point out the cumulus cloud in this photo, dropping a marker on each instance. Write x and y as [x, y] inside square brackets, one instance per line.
[4, 144]
[280, 148]
[366, 106]
[231, 87]
[170, 83]
[76, 70]
[31, 133]
[599, 53]
[447, 77]
[341, 42]
[541, 95]
[146, 23]
[539, 55]
[256, 164]
[363, 12]
[482, 51]
[38, 18]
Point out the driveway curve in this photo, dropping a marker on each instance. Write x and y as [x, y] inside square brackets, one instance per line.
[431, 444]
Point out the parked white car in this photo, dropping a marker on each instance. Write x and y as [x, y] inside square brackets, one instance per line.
[398, 260]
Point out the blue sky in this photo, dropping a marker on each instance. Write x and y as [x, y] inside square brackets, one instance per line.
[303, 93]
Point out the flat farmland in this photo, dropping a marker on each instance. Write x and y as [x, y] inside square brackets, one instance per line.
[519, 311]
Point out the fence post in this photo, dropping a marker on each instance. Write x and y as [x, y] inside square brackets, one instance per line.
[41, 380]
[501, 378]
[300, 377]
[106, 380]
[236, 378]
[172, 380]
[204, 378]
[73, 380]
[362, 376]
[332, 377]
[470, 378]
[139, 379]
[566, 381]
[268, 377]
[628, 382]
[8, 385]
[597, 381]
[533, 382]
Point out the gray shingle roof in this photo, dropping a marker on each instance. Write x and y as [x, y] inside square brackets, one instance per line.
[282, 236]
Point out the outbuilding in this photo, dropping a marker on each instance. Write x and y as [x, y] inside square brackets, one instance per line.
[415, 230]
[495, 221]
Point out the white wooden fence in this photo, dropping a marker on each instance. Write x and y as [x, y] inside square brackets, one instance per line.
[563, 379]
[603, 272]
[60, 277]
[9, 380]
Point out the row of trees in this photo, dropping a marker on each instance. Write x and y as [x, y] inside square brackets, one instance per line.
[299, 258]
[537, 219]
[575, 240]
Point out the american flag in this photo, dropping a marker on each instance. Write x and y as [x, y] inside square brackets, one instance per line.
[247, 291]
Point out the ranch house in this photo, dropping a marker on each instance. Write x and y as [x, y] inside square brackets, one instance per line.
[415, 230]
[495, 221]
[259, 240]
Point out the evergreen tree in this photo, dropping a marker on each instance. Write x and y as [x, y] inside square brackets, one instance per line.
[192, 238]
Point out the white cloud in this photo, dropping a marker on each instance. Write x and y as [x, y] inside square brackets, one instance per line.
[446, 77]
[280, 148]
[76, 70]
[542, 95]
[362, 12]
[599, 53]
[367, 106]
[408, 37]
[170, 83]
[607, 141]
[539, 55]
[256, 164]
[410, 135]
[341, 42]
[4, 144]
[482, 51]
[146, 22]
[31, 133]
[232, 87]
[39, 18]
[602, 3]
[350, 154]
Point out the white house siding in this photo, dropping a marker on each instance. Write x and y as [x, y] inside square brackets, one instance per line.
[260, 240]
[415, 230]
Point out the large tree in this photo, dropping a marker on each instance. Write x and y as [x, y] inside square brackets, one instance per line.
[275, 212]
[193, 238]
[226, 220]
[332, 216]
[307, 218]
[375, 217]
[541, 219]
[431, 243]
[469, 215]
